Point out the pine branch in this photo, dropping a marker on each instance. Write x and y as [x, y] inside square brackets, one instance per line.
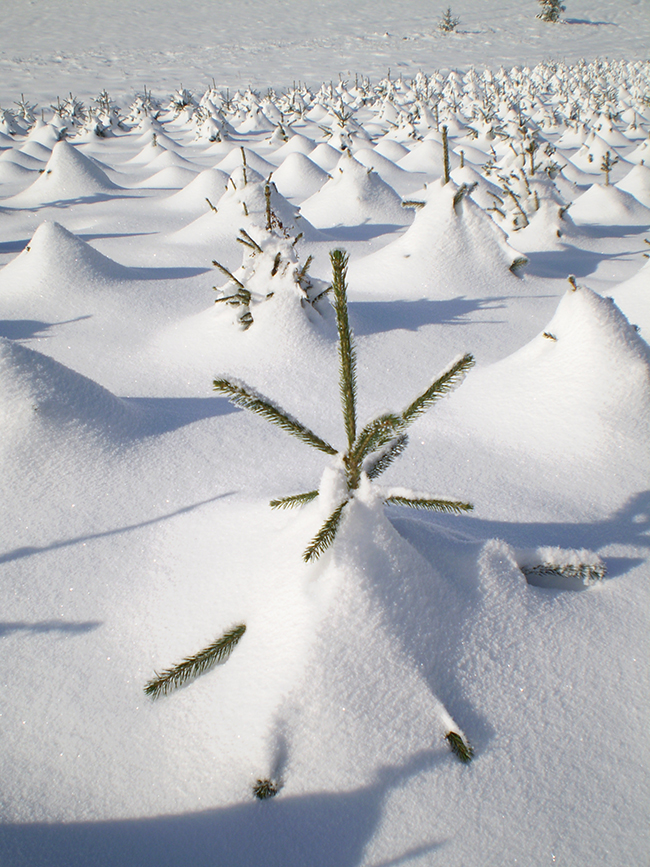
[294, 500]
[386, 456]
[459, 747]
[228, 273]
[375, 435]
[240, 395]
[347, 357]
[325, 536]
[250, 242]
[429, 504]
[193, 666]
[445, 383]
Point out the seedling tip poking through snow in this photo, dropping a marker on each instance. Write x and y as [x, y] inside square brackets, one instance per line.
[264, 789]
[459, 747]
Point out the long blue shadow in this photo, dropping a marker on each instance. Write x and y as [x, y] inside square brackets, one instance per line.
[63, 627]
[328, 829]
[629, 525]
[26, 329]
[373, 317]
[164, 414]
[31, 551]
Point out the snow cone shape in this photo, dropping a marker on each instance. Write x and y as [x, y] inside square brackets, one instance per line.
[68, 175]
[298, 177]
[55, 260]
[451, 243]
[632, 298]
[36, 391]
[207, 187]
[579, 388]
[346, 486]
[242, 205]
[609, 206]
[354, 195]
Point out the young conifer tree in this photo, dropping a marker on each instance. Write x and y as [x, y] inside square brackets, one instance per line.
[551, 10]
[368, 452]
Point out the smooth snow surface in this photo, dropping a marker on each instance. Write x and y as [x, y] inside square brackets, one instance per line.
[177, 229]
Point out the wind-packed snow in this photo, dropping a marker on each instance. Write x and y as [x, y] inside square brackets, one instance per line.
[173, 178]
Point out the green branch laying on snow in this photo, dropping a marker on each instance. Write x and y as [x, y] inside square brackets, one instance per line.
[193, 666]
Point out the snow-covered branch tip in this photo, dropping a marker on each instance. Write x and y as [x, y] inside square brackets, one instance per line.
[241, 395]
[459, 747]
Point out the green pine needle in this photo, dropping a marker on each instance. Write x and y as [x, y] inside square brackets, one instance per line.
[242, 396]
[193, 666]
[294, 500]
[375, 436]
[228, 274]
[386, 456]
[430, 504]
[445, 383]
[459, 747]
[325, 536]
[347, 357]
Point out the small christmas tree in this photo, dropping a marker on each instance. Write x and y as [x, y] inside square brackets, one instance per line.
[370, 451]
[551, 10]
[448, 22]
[607, 164]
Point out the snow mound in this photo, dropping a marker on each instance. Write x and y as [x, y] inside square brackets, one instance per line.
[354, 195]
[633, 298]
[298, 177]
[425, 157]
[68, 175]
[637, 184]
[609, 206]
[208, 184]
[35, 390]
[53, 258]
[170, 178]
[451, 243]
[581, 388]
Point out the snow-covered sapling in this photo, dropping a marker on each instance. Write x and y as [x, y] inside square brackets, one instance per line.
[270, 268]
[369, 451]
[448, 22]
[551, 10]
[445, 154]
[607, 164]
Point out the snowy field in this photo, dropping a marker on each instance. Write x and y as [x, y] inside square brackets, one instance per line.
[173, 180]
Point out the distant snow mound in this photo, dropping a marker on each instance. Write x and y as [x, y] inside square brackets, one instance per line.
[451, 243]
[633, 298]
[55, 257]
[354, 195]
[67, 175]
[36, 390]
[298, 177]
[581, 388]
[609, 206]
[208, 184]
